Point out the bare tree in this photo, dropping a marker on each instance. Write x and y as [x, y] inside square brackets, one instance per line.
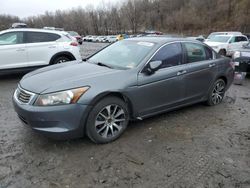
[174, 16]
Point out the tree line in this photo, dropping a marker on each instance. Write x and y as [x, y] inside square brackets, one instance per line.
[189, 17]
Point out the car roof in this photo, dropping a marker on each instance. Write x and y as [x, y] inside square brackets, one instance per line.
[161, 40]
[227, 32]
[233, 35]
[36, 30]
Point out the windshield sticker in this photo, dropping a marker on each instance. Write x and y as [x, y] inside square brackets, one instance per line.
[148, 44]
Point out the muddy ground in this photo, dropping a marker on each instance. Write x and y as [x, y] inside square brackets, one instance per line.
[197, 146]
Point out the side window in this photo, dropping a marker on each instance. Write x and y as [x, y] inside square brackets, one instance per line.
[197, 52]
[241, 39]
[170, 55]
[11, 38]
[34, 37]
[53, 37]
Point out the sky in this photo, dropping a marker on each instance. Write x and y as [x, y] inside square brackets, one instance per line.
[25, 8]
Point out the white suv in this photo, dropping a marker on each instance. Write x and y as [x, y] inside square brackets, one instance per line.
[32, 48]
[226, 44]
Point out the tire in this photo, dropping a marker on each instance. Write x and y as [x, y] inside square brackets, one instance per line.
[107, 120]
[60, 59]
[216, 93]
[223, 52]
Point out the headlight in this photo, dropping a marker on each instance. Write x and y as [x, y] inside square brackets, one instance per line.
[236, 54]
[59, 98]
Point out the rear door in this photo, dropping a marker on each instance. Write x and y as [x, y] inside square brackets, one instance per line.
[201, 68]
[164, 88]
[41, 46]
[13, 51]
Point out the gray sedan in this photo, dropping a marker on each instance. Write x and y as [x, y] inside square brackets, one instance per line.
[129, 80]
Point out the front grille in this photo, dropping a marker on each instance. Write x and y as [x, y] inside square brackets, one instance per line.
[23, 96]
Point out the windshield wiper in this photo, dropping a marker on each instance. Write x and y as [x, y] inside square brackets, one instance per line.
[104, 65]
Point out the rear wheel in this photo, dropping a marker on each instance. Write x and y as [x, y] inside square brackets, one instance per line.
[107, 120]
[61, 59]
[217, 93]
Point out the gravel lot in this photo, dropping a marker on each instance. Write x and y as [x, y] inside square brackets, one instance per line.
[197, 146]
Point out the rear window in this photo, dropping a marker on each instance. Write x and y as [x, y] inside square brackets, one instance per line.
[34, 37]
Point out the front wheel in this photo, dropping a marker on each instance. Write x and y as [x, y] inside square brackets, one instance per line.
[107, 120]
[216, 93]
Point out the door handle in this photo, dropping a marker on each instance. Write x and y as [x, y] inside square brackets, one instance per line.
[20, 50]
[211, 65]
[181, 72]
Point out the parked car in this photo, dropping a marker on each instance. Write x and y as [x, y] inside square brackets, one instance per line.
[18, 25]
[93, 39]
[76, 36]
[111, 39]
[242, 55]
[100, 39]
[222, 33]
[31, 48]
[86, 38]
[130, 79]
[226, 44]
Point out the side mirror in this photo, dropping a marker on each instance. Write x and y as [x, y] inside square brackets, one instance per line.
[153, 66]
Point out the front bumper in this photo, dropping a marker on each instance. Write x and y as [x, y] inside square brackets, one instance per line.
[57, 122]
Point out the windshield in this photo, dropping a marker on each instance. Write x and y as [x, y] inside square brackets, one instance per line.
[123, 54]
[211, 36]
[219, 38]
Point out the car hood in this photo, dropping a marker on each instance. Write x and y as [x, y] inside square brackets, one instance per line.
[209, 43]
[64, 76]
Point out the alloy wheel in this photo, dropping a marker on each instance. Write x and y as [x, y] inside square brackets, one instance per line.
[218, 92]
[110, 121]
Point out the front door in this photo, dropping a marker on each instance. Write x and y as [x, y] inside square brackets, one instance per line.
[164, 88]
[13, 51]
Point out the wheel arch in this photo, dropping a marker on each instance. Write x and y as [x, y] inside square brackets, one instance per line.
[117, 94]
[64, 53]
[223, 77]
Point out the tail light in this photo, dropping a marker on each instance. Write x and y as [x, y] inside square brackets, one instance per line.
[74, 44]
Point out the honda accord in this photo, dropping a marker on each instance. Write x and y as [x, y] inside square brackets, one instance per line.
[129, 80]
